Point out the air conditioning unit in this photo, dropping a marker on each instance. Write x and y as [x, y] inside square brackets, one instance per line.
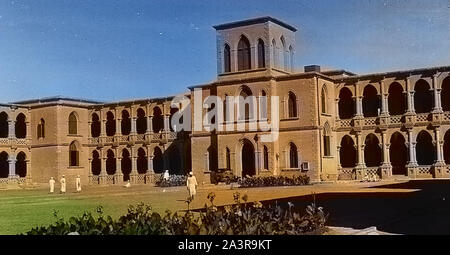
[305, 166]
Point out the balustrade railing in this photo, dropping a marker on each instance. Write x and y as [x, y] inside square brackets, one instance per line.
[395, 119]
[422, 117]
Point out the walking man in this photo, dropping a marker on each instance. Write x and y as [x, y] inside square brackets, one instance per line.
[52, 185]
[78, 183]
[191, 184]
[63, 185]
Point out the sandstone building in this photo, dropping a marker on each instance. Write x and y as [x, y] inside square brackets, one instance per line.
[333, 124]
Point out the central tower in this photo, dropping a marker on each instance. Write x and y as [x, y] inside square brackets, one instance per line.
[255, 45]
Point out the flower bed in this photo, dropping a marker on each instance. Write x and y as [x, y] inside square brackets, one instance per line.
[241, 218]
[272, 181]
[174, 181]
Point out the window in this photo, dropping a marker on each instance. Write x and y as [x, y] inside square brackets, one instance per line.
[293, 156]
[246, 105]
[228, 159]
[326, 140]
[292, 105]
[244, 62]
[73, 154]
[266, 158]
[41, 129]
[261, 54]
[326, 146]
[73, 124]
[323, 99]
[274, 53]
[227, 59]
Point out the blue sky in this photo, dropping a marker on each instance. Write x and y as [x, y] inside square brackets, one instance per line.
[119, 49]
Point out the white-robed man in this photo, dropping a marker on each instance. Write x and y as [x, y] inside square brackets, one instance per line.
[63, 184]
[52, 185]
[78, 183]
[191, 184]
[166, 175]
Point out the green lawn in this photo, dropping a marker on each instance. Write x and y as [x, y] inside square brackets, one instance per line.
[20, 210]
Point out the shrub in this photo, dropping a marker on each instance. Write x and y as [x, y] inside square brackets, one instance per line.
[271, 181]
[174, 181]
[237, 219]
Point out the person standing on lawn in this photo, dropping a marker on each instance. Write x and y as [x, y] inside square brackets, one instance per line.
[63, 184]
[52, 185]
[191, 184]
[78, 183]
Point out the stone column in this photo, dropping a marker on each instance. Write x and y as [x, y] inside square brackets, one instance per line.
[12, 166]
[119, 173]
[437, 96]
[384, 105]
[338, 157]
[28, 176]
[386, 167]
[28, 135]
[118, 126]
[89, 129]
[150, 124]
[102, 177]
[11, 129]
[134, 172]
[133, 125]
[360, 145]
[439, 168]
[150, 165]
[166, 123]
[257, 170]
[412, 149]
[359, 108]
[336, 106]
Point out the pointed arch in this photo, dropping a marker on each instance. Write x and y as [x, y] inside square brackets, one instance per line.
[73, 123]
[158, 120]
[21, 164]
[227, 158]
[74, 154]
[275, 54]
[158, 160]
[4, 165]
[125, 123]
[284, 53]
[41, 129]
[423, 97]
[110, 124]
[265, 158]
[4, 126]
[370, 102]
[111, 164]
[293, 156]
[398, 153]
[445, 94]
[347, 152]
[142, 164]
[96, 165]
[372, 151]
[21, 126]
[396, 99]
[125, 164]
[326, 140]
[426, 152]
[346, 104]
[447, 147]
[141, 122]
[244, 54]
[292, 105]
[226, 58]
[324, 99]
[261, 54]
[95, 125]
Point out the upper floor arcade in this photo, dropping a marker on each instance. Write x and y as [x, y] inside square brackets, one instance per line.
[414, 97]
[143, 121]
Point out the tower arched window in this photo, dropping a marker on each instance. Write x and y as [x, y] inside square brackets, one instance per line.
[292, 105]
[74, 154]
[244, 56]
[73, 124]
[41, 129]
[293, 156]
[227, 58]
[261, 54]
[323, 99]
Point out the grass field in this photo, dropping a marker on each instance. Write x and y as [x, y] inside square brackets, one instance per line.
[20, 210]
